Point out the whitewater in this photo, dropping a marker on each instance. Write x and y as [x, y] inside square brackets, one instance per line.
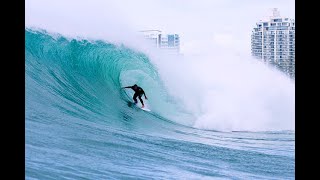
[213, 116]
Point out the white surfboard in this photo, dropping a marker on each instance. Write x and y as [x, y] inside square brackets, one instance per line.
[130, 104]
[145, 109]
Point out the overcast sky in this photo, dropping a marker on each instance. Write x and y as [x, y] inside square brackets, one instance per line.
[203, 25]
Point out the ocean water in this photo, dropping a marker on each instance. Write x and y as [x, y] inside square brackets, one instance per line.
[79, 124]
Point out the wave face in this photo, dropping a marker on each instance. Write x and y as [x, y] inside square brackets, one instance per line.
[79, 123]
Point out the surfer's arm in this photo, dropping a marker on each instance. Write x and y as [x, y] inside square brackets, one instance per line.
[145, 95]
[127, 87]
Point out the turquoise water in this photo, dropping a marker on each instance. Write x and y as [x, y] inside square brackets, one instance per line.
[79, 125]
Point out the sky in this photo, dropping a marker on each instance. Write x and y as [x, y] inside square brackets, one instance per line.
[203, 25]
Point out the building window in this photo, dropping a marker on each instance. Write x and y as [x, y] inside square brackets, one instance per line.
[277, 20]
[170, 40]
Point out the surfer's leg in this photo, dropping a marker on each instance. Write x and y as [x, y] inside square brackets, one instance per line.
[135, 98]
[141, 100]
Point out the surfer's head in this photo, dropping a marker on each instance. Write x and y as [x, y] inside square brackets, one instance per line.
[135, 86]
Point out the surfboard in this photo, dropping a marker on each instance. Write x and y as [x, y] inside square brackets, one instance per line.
[145, 109]
[131, 104]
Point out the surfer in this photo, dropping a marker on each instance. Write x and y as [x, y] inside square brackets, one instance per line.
[138, 93]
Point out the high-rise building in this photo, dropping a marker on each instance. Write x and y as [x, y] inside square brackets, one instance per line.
[168, 42]
[273, 41]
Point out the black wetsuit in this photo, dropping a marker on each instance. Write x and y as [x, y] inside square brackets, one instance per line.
[138, 93]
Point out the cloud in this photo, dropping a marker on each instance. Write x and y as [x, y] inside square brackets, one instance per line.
[223, 39]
